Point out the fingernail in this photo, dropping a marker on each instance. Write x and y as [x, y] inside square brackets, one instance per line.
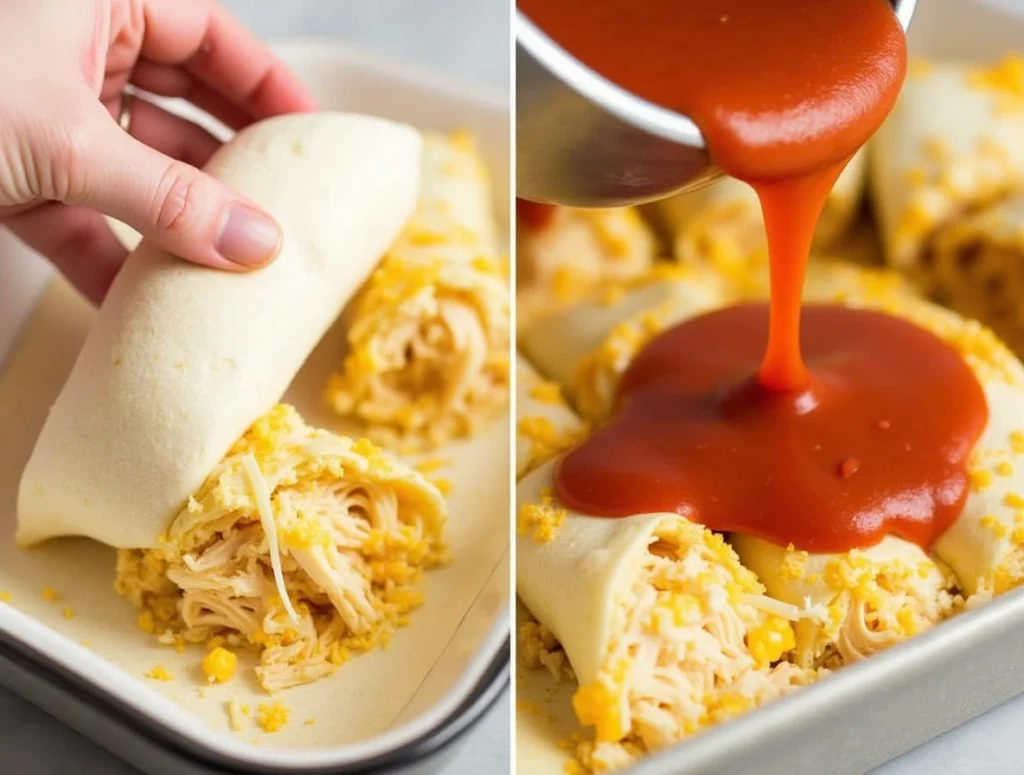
[247, 236]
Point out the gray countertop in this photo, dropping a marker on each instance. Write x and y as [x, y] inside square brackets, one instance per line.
[467, 39]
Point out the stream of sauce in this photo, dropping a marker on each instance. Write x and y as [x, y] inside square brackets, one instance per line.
[828, 435]
[533, 215]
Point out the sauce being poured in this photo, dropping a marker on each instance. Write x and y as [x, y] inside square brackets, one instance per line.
[784, 92]
[534, 215]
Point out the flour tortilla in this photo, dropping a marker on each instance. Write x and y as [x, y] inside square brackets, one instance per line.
[946, 149]
[182, 359]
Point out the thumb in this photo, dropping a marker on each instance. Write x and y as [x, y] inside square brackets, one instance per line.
[184, 210]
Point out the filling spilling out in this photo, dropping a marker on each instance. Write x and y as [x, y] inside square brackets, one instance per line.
[428, 337]
[304, 546]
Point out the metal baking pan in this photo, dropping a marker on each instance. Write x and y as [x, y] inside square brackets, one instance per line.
[866, 714]
[872, 711]
[405, 709]
[146, 745]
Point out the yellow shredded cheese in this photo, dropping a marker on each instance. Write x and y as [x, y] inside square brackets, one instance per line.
[547, 392]
[266, 511]
[234, 715]
[50, 595]
[273, 717]
[160, 673]
[541, 520]
[219, 665]
[430, 465]
[444, 485]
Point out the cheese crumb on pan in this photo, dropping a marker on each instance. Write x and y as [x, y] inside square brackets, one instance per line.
[234, 715]
[429, 337]
[354, 528]
[273, 717]
[219, 665]
[160, 673]
[50, 595]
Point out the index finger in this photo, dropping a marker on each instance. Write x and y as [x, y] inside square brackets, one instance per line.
[215, 48]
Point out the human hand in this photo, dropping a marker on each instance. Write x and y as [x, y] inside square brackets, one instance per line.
[64, 159]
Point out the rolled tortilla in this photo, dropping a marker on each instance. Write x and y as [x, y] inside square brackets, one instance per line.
[985, 547]
[183, 359]
[586, 347]
[872, 598]
[562, 258]
[953, 144]
[665, 630]
[975, 267]
[429, 339]
[721, 225]
[545, 425]
[868, 599]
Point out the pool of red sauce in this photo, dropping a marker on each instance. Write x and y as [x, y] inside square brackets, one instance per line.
[829, 432]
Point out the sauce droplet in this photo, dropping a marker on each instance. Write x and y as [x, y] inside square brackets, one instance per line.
[849, 467]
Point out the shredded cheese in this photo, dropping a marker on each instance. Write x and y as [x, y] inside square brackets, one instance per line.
[219, 665]
[160, 673]
[234, 715]
[787, 611]
[273, 717]
[262, 497]
[50, 595]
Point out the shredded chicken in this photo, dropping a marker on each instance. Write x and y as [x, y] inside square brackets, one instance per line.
[538, 647]
[879, 604]
[693, 646]
[355, 529]
[429, 338]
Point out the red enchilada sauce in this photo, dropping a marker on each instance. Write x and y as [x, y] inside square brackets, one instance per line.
[722, 419]
[533, 215]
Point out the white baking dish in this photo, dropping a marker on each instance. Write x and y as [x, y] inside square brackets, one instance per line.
[387, 708]
[871, 712]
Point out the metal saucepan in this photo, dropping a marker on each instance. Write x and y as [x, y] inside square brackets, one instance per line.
[583, 141]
